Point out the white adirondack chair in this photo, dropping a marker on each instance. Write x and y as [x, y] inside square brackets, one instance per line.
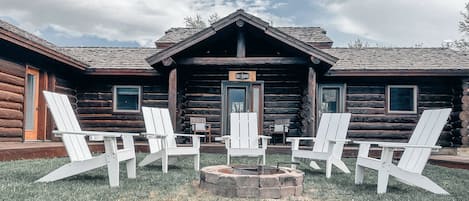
[244, 138]
[162, 139]
[413, 160]
[328, 143]
[78, 151]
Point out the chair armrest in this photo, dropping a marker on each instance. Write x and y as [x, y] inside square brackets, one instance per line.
[405, 145]
[226, 137]
[153, 135]
[264, 137]
[188, 135]
[291, 139]
[339, 140]
[94, 133]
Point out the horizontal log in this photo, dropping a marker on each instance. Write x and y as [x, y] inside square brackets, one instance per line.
[204, 104]
[384, 118]
[12, 68]
[116, 129]
[366, 110]
[87, 110]
[365, 89]
[381, 126]
[11, 79]
[95, 96]
[287, 104]
[11, 139]
[10, 114]
[95, 103]
[116, 117]
[281, 111]
[365, 97]
[11, 105]
[155, 96]
[281, 97]
[372, 104]
[381, 134]
[210, 61]
[11, 88]
[11, 132]
[155, 89]
[9, 123]
[203, 111]
[113, 123]
[205, 97]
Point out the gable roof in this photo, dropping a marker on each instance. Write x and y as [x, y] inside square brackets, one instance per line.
[308, 35]
[252, 20]
[30, 41]
[402, 60]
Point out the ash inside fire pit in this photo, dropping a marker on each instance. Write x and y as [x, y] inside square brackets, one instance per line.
[252, 181]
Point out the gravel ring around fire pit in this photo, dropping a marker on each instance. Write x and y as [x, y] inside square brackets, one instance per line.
[219, 180]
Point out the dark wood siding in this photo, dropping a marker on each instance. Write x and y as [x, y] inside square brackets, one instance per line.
[366, 100]
[95, 105]
[11, 101]
[283, 90]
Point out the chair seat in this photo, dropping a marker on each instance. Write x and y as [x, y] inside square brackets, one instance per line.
[310, 154]
[246, 152]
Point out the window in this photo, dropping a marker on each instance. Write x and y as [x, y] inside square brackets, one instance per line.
[126, 98]
[331, 98]
[402, 99]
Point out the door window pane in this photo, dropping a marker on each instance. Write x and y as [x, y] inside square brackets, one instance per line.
[30, 91]
[127, 98]
[401, 98]
[237, 99]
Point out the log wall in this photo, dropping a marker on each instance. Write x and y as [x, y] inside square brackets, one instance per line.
[283, 89]
[11, 101]
[366, 100]
[95, 103]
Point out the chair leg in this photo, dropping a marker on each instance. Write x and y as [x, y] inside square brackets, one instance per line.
[197, 162]
[263, 159]
[165, 163]
[284, 138]
[293, 166]
[341, 165]
[359, 174]
[150, 158]
[228, 159]
[131, 168]
[314, 165]
[113, 170]
[383, 178]
[328, 168]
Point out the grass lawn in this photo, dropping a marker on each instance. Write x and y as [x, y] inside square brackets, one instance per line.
[17, 177]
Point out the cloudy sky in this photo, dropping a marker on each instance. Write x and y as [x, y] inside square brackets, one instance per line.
[141, 22]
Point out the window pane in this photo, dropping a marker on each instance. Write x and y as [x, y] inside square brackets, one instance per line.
[330, 100]
[237, 100]
[29, 122]
[401, 99]
[127, 98]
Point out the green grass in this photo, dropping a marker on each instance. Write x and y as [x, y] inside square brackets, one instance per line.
[17, 177]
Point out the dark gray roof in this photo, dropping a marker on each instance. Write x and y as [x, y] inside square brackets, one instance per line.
[33, 38]
[398, 58]
[112, 57]
[305, 34]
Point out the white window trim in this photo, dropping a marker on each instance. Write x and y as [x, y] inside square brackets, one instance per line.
[388, 99]
[114, 97]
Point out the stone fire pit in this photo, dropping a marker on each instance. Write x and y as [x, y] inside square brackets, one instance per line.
[252, 181]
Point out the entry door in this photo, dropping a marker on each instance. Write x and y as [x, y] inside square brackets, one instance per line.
[241, 97]
[31, 104]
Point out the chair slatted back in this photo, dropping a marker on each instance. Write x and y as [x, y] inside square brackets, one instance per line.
[65, 119]
[158, 121]
[331, 126]
[426, 132]
[243, 130]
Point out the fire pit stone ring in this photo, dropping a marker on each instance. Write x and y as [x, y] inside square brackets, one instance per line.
[252, 181]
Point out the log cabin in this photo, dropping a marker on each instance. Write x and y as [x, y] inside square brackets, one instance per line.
[239, 63]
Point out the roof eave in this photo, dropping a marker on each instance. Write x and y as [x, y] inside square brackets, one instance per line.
[46, 51]
[456, 72]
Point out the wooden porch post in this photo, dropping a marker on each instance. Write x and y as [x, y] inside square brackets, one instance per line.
[312, 96]
[172, 95]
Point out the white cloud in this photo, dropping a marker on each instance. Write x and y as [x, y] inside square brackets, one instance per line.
[132, 20]
[397, 22]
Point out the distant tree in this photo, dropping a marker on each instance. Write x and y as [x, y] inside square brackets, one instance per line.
[213, 18]
[358, 44]
[460, 44]
[194, 22]
[198, 22]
